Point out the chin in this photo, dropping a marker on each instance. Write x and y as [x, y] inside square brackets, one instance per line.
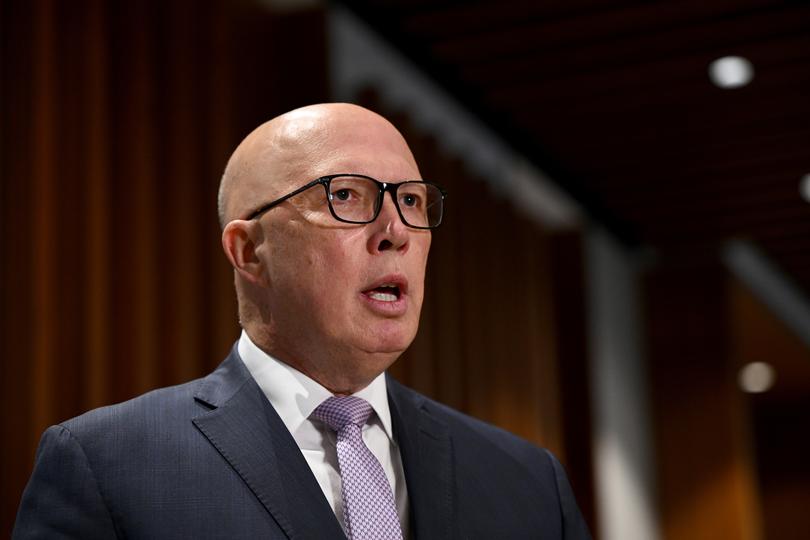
[374, 358]
[390, 345]
[383, 352]
[392, 341]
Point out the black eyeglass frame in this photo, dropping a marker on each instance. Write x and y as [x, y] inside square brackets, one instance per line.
[390, 187]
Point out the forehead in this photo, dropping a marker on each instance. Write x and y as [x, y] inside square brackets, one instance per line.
[361, 143]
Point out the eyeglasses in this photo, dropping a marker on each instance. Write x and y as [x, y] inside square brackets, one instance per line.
[355, 198]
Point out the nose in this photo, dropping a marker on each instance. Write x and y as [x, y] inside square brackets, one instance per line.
[389, 232]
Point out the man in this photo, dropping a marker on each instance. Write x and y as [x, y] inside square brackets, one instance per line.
[327, 226]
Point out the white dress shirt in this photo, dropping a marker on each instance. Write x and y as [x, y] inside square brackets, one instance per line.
[295, 396]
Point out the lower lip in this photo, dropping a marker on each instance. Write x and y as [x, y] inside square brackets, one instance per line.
[387, 309]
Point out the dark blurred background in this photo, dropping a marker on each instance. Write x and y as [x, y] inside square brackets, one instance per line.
[623, 275]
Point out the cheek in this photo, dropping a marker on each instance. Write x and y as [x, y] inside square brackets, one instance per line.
[293, 270]
[420, 257]
[333, 273]
[342, 256]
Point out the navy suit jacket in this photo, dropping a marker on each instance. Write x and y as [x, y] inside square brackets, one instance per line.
[212, 459]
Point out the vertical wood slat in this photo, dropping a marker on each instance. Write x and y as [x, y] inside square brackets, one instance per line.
[476, 374]
[448, 342]
[221, 317]
[140, 174]
[182, 241]
[43, 266]
[544, 327]
[68, 187]
[566, 297]
[18, 432]
[500, 284]
[96, 284]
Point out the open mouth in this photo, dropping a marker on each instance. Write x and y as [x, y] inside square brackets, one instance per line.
[385, 293]
[389, 288]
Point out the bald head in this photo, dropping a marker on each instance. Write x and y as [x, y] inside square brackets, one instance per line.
[326, 138]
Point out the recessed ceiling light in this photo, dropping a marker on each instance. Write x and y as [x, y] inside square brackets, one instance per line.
[731, 72]
[756, 377]
[804, 187]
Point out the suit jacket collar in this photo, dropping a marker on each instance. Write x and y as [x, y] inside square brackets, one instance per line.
[246, 430]
[251, 437]
[427, 457]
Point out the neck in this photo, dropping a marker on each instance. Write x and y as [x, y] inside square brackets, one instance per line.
[338, 377]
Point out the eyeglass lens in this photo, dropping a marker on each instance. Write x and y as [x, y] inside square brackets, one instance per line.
[356, 199]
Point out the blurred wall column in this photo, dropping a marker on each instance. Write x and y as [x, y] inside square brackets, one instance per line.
[622, 445]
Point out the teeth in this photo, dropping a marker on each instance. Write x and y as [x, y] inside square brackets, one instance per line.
[383, 297]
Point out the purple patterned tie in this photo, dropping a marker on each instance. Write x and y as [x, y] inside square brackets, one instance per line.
[369, 509]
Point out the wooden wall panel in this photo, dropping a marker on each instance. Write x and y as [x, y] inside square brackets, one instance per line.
[706, 476]
[117, 121]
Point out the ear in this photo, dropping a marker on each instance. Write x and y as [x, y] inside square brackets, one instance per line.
[240, 238]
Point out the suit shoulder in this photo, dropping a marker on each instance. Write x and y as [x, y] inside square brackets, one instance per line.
[476, 435]
[519, 483]
[165, 403]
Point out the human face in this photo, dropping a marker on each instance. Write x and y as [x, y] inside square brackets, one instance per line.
[344, 298]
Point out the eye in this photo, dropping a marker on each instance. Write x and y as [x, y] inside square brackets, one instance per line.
[410, 200]
[341, 194]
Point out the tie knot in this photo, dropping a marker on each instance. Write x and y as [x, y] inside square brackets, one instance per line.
[339, 411]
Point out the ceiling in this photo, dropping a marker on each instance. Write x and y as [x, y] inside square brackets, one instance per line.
[614, 102]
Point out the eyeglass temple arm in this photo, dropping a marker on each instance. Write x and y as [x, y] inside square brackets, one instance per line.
[262, 209]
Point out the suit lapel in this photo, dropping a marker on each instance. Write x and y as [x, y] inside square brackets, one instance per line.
[251, 437]
[427, 457]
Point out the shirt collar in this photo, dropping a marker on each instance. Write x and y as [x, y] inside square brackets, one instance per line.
[294, 395]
